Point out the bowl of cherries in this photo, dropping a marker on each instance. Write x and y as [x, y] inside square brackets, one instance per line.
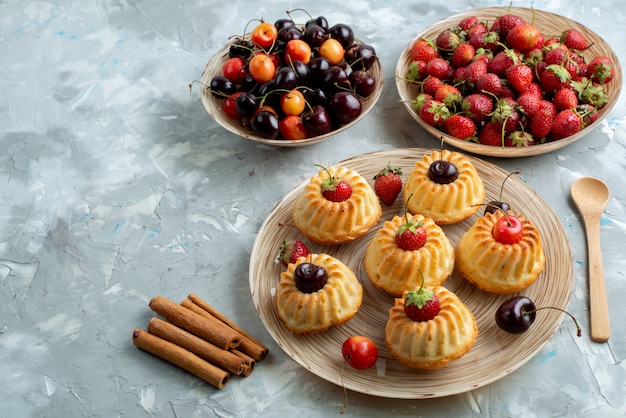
[290, 84]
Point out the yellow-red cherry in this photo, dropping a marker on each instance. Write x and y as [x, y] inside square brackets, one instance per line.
[508, 229]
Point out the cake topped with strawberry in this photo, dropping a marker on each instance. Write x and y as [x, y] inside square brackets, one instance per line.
[337, 206]
[428, 327]
[404, 247]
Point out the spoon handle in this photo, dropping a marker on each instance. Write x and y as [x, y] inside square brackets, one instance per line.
[598, 304]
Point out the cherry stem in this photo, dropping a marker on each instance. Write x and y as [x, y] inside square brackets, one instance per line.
[298, 10]
[345, 392]
[504, 181]
[578, 329]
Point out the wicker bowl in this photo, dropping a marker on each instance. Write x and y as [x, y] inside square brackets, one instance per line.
[547, 23]
[214, 106]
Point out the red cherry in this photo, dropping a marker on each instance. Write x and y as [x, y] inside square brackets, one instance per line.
[508, 229]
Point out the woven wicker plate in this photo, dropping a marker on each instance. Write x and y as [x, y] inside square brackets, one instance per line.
[214, 106]
[495, 353]
[548, 23]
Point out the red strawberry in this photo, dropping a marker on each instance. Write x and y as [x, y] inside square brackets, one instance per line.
[423, 50]
[475, 29]
[565, 98]
[468, 22]
[477, 106]
[434, 112]
[573, 39]
[518, 139]
[420, 100]
[553, 78]
[505, 23]
[505, 114]
[463, 55]
[290, 251]
[421, 304]
[459, 126]
[601, 70]
[475, 70]
[447, 40]
[491, 134]
[416, 71]
[438, 67]
[335, 189]
[489, 83]
[411, 235]
[486, 40]
[449, 95]
[445, 91]
[566, 123]
[431, 84]
[528, 103]
[502, 61]
[556, 56]
[388, 184]
[590, 93]
[534, 89]
[541, 123]
[524, 37]
[588, 112]
[520, 76]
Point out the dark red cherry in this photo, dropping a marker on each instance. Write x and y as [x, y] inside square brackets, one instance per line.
[247, 104]
[335, 79]
[314, 35]
[494, 206]
[286, 78]
[284, 23]
[309, 277]
[345, 107]
[363, 82]
[241, 48]
[320, 21]
[266, 124]
[343, 33]
[317, 121]
[221, 87]
[516, 314]
[443, 172]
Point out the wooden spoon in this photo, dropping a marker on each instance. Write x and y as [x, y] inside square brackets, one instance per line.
[591, 196]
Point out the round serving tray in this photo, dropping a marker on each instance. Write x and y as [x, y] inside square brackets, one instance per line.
[495, 353]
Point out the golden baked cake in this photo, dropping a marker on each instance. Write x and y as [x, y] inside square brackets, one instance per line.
[394, 269]
[305, 305]
[446, 195]
[498, 267]
[330, 223]
[433, 343]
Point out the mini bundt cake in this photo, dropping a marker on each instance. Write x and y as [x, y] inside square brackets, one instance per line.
[315, 293]
[331, 222]
[445, 187]
[495, 266]
[430, 344]
[394, 269]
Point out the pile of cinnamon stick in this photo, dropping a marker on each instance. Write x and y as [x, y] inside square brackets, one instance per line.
[200, 340]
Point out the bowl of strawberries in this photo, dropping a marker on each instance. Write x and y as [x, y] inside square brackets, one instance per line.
[507, 81]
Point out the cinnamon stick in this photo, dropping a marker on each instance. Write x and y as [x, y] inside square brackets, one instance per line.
[223, 359]
[211, 330]
[248, 361]
[249, 344]
[180, 357]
